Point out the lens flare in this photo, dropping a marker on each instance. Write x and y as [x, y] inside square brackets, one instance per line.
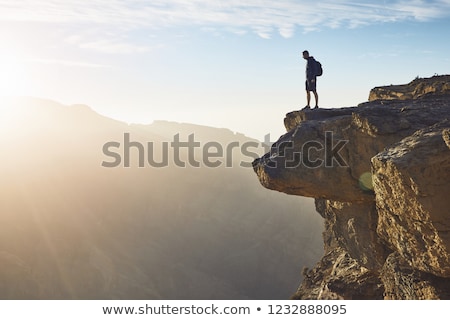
[365, 181]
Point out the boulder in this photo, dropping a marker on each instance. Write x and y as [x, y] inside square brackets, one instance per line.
[412, 183]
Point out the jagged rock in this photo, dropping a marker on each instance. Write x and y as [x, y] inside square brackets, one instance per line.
[401, 281]
[413, 90]
[412, 183]
[353, 254]
[446, 136]
[338, 276]
[294, 118]
[353, 226]
[385, 202]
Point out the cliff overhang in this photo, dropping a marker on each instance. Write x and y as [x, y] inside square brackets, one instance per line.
[380, 174]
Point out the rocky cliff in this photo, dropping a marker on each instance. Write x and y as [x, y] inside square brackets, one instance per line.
[380, 174]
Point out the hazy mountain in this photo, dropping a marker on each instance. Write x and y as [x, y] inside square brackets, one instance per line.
[71, 227]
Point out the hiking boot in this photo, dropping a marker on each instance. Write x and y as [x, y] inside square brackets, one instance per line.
[316, 107]
[306, 108]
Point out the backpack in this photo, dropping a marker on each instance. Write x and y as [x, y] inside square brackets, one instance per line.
[318, 68]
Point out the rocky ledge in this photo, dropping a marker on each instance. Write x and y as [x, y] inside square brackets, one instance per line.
[380, 174]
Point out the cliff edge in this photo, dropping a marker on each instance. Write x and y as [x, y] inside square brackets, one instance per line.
[380, 174]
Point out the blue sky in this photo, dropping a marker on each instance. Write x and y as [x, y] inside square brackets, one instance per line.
[233, 64]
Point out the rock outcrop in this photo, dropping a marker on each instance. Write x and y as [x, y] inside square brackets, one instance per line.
[380, 174]
[418, 88]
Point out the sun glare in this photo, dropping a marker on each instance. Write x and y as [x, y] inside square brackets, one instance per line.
[13, 83]
[13, 75]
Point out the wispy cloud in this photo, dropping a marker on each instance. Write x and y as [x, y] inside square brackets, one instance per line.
[110, 45]
[67, 63]
[264, 17]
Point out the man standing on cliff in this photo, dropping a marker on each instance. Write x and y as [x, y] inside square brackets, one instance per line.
[311, 79]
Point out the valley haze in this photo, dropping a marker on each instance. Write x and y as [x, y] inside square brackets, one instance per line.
[73, 229]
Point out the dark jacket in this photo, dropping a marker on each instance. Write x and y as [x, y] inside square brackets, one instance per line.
[311, 68]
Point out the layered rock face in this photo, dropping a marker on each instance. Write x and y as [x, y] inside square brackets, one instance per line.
[439, 85]
[380, 174]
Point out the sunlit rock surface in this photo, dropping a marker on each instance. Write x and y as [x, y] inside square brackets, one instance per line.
[380, 175]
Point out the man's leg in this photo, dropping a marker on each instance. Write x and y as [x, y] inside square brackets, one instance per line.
[308, 95]
[316, 96]
[308, 98]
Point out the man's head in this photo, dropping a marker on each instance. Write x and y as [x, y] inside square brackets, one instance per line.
[305, 54]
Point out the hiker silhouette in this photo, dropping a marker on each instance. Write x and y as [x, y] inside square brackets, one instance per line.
[311, 79]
